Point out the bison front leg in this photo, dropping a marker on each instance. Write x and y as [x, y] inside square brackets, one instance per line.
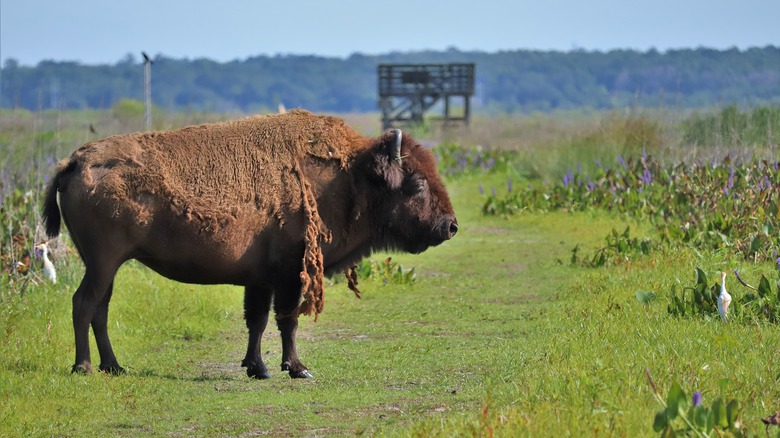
[257, 304]
[288, 326]
[286, 308]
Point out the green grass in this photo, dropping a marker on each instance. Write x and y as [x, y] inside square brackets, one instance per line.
[492, 321]
[499, 335]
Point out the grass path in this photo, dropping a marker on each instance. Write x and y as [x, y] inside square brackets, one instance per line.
[494, 325]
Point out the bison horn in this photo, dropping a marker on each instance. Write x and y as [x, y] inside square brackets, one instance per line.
[396, 155]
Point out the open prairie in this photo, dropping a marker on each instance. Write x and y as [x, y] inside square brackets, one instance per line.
[569, 303]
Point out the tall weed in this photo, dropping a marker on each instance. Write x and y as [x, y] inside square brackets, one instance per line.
[731, 126]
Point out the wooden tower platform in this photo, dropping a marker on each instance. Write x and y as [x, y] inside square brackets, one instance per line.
[407, 91]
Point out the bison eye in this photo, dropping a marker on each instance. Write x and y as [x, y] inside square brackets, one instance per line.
[413, 185]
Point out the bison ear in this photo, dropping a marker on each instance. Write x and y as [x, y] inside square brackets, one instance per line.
[387, 159]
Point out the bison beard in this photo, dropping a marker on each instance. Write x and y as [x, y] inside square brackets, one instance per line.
[271, 203]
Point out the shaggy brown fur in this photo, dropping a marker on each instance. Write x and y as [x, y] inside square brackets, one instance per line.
[186, 168]
[313, 267]
[261, 180]
[352, 281]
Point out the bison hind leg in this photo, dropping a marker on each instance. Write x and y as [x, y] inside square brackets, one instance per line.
[108, 362]
[90, 307]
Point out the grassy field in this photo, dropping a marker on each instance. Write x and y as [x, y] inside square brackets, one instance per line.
[499, 336]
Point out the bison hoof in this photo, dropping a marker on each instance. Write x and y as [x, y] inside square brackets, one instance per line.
[82, 368]
[297, 372]
[114, 370]
[302, 374]
[256, 370]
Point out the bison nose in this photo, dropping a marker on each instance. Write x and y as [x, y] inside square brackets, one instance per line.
[453, 229]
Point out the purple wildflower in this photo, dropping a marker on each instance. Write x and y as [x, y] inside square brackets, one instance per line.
[726, 191]
[590, 185]
[579, 167]
[509, 185]
[621, 161]
[647, 178]
[731, 179]
[598, 163]
[568, 178]
[644, 154]
[481, 189]
[777, 262]
[696, 398]
[764, 183]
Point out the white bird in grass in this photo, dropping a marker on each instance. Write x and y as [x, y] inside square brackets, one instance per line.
[724, 299]
[48, 266]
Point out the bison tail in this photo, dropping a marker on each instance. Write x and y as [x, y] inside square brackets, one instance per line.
[51, 211]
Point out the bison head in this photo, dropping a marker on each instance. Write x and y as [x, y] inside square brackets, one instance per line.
[414, 211]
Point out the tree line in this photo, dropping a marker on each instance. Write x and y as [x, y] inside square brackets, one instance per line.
[507, 81]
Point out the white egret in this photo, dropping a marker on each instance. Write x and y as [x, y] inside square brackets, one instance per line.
[48, 266]
[724, 299]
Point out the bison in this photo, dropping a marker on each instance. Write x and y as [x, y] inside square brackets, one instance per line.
[271, 203]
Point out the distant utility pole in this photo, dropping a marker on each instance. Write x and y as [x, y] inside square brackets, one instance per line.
[148, 90]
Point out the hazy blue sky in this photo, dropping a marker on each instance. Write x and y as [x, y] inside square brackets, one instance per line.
[104, 31]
